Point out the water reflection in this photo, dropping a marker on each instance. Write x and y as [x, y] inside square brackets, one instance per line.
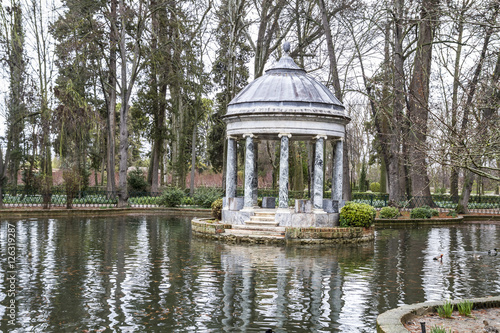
[136, 273]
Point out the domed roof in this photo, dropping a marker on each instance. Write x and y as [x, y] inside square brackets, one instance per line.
[285, 84]
[286, 100]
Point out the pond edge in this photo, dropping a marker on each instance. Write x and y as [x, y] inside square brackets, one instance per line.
[392, 321]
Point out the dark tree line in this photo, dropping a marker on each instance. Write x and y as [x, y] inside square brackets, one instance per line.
[106, 85]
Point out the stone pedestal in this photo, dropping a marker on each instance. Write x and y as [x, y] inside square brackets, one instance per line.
[236, 203]
[303, 206]
[330, 206]
[269, 202]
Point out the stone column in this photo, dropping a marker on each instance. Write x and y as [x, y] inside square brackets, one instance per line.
[255, 180]
[283, 191]
[249, 170]
[231, 172]
[338, 171]
[318, 174]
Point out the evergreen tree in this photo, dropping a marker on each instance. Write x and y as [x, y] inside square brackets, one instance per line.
[78, 58]
[16, 107]
[229, 71]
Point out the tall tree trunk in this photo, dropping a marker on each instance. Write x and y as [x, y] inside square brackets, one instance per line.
[4, 165]
[418, 111]
[463, 204]
[111, 122]
[454, 108]
[469, 176]
[395, 156]
[346, 183]
[193, 148]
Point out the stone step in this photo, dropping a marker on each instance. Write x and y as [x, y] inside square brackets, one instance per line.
[262, 218]
[264, 212]
[258, 227]
[255, 234]
[265, 215]
[262, 223]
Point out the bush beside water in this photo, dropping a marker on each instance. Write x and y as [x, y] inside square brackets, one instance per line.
[217, 209]
[389, 213]
[355, 214]
[171, 197]
[424, 212]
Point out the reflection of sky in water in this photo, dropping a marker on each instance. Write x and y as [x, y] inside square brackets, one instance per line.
[132, 274]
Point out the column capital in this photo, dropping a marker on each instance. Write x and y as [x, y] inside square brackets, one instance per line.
[248, 135]
[320, 136]
[232, 137]
[284, 134]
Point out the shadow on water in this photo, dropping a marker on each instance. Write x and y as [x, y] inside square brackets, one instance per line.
[146, 273]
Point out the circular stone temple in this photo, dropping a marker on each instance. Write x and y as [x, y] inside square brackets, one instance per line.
[284, 104]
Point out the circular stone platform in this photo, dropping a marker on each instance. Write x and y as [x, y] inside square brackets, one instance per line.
[265, 234]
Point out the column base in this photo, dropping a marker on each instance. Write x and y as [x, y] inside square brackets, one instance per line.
[283, 211]
[318, 211]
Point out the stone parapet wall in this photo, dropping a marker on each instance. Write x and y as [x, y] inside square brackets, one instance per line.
[204, 226]
[329, 235]
[434, 221]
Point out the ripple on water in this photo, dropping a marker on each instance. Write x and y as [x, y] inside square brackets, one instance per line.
[143, 273]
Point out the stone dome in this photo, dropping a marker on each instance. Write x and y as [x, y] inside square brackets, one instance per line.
[286, 100]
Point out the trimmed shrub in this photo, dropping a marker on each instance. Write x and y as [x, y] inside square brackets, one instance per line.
[375, 187]
[421, 213]
[357, 215]
[171, 197]
[389, 213]
[217, 209]
[136, 181]
[204, 196]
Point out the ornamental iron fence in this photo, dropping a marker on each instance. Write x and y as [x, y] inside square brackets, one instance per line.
[93, 197]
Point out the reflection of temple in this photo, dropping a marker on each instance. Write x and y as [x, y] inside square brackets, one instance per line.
[295, 288]
[285, 104]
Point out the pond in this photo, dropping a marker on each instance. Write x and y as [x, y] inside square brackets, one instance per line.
[146, 273]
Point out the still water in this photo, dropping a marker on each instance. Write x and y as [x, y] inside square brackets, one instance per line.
[148, 274]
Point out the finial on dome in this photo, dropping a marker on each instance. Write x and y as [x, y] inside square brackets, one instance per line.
[286, 47]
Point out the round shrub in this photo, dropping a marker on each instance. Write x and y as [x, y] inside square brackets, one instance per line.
[171, 197]
[421, 213]
[389, 213]
[355, 214]
[217, 209]
[375, 187]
